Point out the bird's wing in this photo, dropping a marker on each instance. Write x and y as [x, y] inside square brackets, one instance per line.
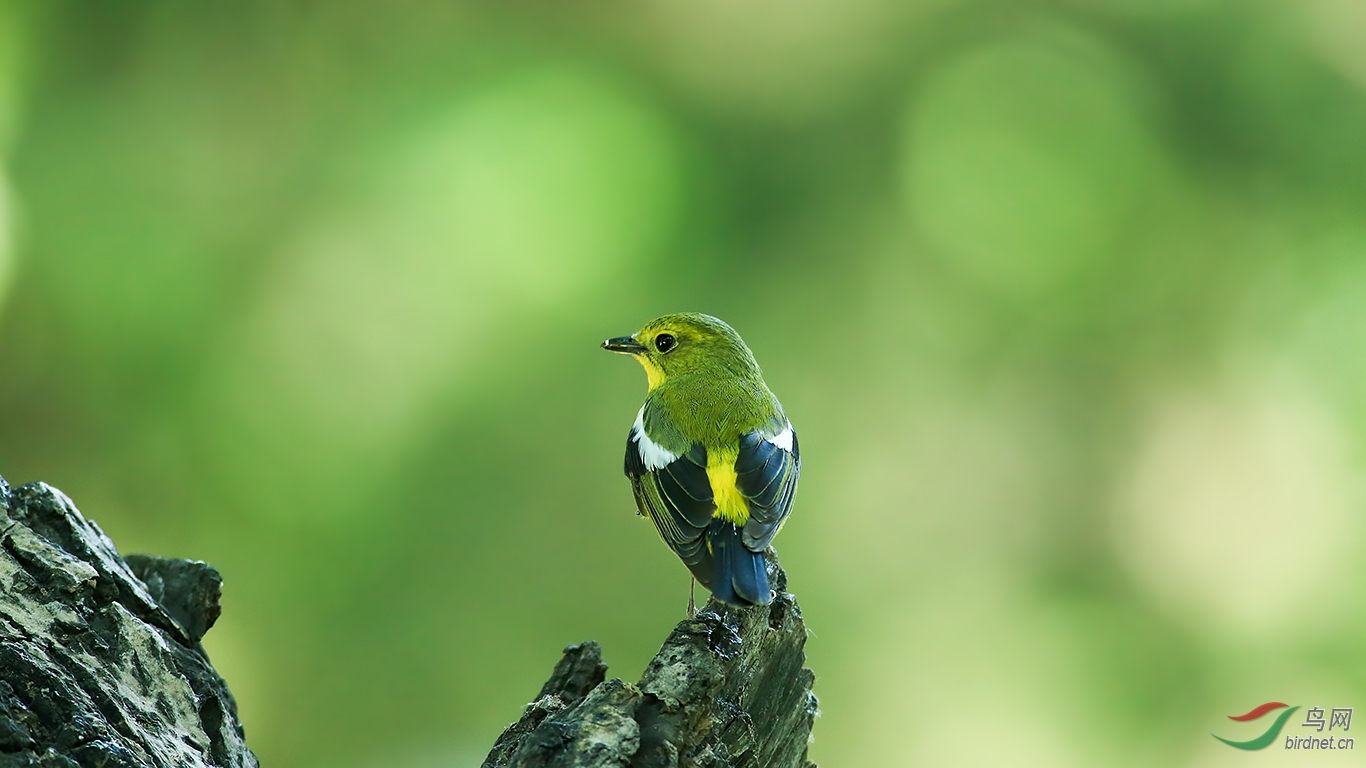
[672, 489]
[766, 474]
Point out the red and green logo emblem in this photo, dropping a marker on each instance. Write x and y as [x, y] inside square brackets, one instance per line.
[1263, 741]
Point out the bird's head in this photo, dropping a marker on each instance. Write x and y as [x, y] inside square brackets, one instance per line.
[686, 343]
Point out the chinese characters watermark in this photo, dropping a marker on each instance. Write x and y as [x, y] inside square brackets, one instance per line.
[1338, 718]
[1341, 716]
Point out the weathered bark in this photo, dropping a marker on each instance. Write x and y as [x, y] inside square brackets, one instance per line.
[100, 661]
[727, 690]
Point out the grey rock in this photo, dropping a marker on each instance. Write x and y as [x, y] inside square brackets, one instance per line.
[729, 689]
[189, 590]
[578, 672]
[99, 667]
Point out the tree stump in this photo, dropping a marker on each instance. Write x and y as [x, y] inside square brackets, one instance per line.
[100, 660]
[729, 689]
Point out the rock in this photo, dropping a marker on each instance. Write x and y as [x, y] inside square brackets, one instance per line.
[100, 661]
[188, 590]
[729, 689]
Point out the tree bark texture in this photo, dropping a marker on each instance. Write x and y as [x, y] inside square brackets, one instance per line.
[100, 660]
[729, 689]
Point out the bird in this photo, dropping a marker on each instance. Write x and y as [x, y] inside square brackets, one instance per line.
[712, 459]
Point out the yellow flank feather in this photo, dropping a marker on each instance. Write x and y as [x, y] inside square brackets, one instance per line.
[730, 504]
[653, 374]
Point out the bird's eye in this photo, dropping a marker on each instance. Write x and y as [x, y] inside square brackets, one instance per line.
[665, 342]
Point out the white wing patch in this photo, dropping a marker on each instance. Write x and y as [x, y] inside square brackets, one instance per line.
[652, 454]
[783, 439]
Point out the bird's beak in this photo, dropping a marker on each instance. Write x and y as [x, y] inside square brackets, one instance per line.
[625, 345]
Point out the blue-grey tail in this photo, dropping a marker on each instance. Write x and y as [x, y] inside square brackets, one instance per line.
[739, 576]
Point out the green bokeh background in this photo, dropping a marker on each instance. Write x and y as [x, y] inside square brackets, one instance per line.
[1067, 301]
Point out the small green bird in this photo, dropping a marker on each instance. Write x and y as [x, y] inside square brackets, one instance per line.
[712, 459]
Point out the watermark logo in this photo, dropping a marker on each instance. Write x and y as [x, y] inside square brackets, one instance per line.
[1337, 717]
[1263, 741]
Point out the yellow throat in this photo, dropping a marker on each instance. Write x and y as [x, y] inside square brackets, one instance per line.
[653, 374]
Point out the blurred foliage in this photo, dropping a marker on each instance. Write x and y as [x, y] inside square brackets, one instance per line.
[1066, 300]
